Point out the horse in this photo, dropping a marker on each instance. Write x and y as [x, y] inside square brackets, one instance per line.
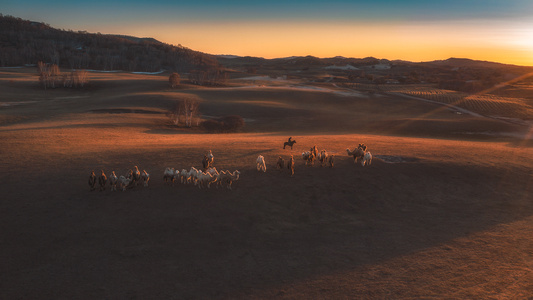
[291, 143]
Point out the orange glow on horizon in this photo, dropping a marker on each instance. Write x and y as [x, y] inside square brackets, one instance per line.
[504, 43]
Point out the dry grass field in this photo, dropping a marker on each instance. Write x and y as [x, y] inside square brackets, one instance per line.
[490, 103]
[444, 211]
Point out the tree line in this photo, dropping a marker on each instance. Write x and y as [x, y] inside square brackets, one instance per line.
[24, 42]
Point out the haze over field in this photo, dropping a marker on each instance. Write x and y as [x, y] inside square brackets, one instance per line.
[407, 180]
[444, 210]
[496, 30]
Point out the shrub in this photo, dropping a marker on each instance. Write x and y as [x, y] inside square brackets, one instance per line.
[174, 80]
[211, 125]
[223, 124]
[232, 123]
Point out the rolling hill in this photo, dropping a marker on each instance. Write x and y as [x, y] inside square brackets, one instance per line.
[24, 42]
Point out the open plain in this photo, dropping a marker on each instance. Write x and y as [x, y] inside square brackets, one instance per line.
[444, 211]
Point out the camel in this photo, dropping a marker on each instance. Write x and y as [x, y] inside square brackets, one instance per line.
[102, 180]
[309, 157]
[280, 163]
[92, 181]
[356, 153]
[314, 150]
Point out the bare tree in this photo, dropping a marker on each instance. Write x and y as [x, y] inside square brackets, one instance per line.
[175, 113]
[55, 74]
[186, 111]
[79, 78]
[190, 107]
[44, 73]
[49, 75]
[66, 80]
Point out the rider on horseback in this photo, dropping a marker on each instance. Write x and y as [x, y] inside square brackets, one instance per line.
[289, 143]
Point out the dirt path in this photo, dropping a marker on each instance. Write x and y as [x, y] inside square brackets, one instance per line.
[453, 107]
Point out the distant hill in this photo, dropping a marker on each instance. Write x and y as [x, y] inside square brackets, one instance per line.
[470, 63]
[227, 56]
[367, 61]
[459, 74]
[248, 63]
[137, 39]
[25, 42]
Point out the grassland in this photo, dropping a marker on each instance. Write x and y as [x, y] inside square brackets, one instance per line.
[454, 219]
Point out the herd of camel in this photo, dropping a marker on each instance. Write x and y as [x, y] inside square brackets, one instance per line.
[360, 154]
[135, 177]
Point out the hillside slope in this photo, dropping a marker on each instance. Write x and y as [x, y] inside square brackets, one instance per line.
[26, 42]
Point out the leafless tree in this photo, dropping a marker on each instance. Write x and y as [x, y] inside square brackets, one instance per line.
[191, 110]
[48, 74]
[186, 111]
[55, 74]
[79, 78]
[44, 73]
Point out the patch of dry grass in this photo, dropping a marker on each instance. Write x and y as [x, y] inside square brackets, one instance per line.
[453, 221]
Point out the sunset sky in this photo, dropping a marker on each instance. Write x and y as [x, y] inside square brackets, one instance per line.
[415, 30]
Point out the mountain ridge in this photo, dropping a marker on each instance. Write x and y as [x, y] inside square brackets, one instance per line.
[69, 48]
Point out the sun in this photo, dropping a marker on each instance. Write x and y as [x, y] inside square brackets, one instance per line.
[523, 37]
[527, 38]
[517, 44]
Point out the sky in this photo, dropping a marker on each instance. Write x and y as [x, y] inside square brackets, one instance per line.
[414, 30]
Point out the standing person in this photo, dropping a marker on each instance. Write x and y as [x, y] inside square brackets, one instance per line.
[290, 165]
